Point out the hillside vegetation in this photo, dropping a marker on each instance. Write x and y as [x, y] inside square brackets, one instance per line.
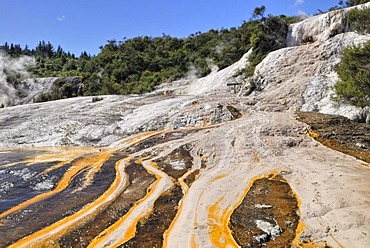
[354, 69]
[137, 65]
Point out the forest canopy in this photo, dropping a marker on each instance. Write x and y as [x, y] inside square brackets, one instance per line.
[137, 65]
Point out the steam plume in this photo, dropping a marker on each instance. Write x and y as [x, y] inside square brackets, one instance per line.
[12, 66]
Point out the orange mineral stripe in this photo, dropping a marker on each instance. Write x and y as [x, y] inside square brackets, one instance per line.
[52, 232]
[219, 231]
[63, 183]
[109, 238]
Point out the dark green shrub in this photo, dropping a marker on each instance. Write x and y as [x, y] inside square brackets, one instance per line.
[269, 34]
[359, 19]
[45, 97]
[354, 74]
[65, 87]
[350, 3]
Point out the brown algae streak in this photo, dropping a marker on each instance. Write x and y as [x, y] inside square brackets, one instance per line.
[268, 214]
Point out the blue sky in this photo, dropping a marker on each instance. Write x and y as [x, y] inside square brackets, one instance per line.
[84, 25]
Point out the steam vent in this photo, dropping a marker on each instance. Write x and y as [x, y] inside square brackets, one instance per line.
[269, 160]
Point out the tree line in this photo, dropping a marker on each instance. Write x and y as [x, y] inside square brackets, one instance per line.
[137, 65]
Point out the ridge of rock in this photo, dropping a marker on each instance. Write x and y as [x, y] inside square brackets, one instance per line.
[320, 27]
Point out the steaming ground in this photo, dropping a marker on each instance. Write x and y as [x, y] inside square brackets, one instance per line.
[10, 67]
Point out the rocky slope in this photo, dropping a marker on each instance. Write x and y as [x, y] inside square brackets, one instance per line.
[192, 164]
[302, 75]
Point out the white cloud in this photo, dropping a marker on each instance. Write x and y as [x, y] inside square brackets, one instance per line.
[302, 14]
[298, 2]
[61, 18]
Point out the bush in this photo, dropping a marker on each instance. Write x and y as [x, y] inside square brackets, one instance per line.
[350, 3]
[354, 74]
[62, 88]
[45, 97]
[359, 20]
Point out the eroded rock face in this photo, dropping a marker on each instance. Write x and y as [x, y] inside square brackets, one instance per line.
[29, 89]
[320, 28]
[302, 77]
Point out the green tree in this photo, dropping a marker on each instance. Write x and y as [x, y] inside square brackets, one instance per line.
[354, 74]
[258, 12]
[44, 49]
[268, 34]
[350, 3]
[359, 20]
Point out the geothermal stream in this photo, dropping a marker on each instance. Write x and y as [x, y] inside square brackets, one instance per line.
[238, 183]
[159, 166]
